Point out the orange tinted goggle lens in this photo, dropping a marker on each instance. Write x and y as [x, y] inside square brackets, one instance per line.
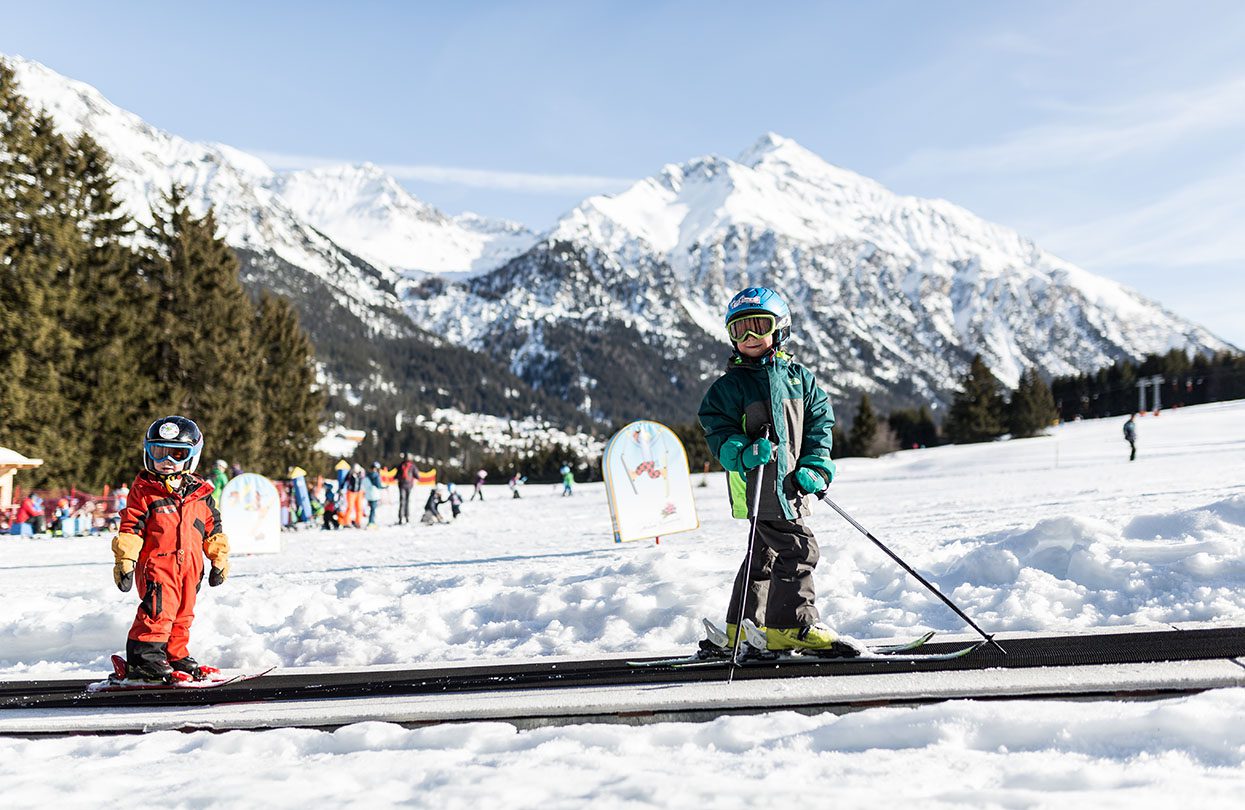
[177, 453]
[760, 325]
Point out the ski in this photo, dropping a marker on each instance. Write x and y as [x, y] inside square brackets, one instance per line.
[117, 683]
[786, 658]
[886, 649]
[753, 635]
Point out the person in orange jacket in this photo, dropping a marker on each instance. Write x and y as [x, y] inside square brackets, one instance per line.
[168, 526]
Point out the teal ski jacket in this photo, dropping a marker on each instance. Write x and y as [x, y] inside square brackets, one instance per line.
[776, 391]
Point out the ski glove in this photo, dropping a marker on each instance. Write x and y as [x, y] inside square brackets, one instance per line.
[809, 480]
[759, 452]
[813, 473]
[216, 549]
[125, 548]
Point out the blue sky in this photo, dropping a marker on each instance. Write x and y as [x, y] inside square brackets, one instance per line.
[1112, 133]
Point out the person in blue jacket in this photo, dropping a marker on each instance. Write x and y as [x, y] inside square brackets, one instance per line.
[769, 423]
[372, 485]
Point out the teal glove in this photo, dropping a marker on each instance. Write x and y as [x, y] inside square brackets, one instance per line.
[759, 452]
[810, 481]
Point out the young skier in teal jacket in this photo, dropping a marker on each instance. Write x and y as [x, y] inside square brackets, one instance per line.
[767, 411]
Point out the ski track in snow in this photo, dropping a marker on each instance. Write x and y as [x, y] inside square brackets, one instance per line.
[1054, 534]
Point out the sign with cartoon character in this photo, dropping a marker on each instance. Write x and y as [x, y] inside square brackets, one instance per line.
[250, 511]
[648, 483]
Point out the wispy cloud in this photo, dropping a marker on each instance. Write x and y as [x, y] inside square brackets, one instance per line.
[1104, 134]
[523, 182]
[1198, 223]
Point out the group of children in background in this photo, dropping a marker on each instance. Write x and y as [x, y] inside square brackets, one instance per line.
[340, 503]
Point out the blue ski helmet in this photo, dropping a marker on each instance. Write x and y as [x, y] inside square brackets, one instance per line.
[762, 301]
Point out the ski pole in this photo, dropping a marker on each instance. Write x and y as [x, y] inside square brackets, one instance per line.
[988, 637]
[747, 570]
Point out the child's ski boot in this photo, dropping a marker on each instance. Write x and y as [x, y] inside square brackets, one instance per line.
[719, 643]
[816, 639]
[193, 669]
[142, 671]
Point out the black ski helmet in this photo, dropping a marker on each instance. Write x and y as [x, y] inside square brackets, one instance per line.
[173, 437]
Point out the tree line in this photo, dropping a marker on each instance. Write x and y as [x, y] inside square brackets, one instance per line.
[983, 409]
[107, 323]
[1112, 391]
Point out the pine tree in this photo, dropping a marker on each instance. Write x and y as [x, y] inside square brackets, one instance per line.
[38, 240]
[864, 429]
[200, 347]
[1032, 408]
[976, 413]
[838, 443]
[913, 427]
[286, 382]
[112, 392]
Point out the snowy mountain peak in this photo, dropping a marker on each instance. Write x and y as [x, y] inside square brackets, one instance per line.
[774, 148]
[894, 293]
[891, 293]
[366, 210]
[359, 207]
[327, 194]
[783, 157]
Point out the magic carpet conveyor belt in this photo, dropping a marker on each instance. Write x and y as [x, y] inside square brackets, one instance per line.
[292, 685]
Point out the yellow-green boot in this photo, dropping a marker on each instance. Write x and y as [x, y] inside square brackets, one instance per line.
[817, 639]
[718, 642]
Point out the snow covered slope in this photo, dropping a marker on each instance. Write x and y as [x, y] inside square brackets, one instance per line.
[1053, 534]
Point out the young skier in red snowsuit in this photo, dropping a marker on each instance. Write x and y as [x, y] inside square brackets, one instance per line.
[168, 526]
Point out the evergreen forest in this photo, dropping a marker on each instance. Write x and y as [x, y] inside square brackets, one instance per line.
[107, 325]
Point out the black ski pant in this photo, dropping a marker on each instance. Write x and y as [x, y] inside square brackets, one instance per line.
[779, 587]
[404, 504]
[1132, 450]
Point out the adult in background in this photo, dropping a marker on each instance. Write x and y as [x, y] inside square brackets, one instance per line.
[1130, 436]
[432, 511]
[372, 485]
[354, 497]
[406, 481]
[30, 511]
[479, 492]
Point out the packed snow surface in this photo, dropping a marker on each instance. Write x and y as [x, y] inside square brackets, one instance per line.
[1054, 534]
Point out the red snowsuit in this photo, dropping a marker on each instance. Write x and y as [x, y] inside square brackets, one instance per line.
[177, 530]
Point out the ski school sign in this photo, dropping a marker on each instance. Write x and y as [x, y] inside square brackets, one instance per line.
[250, 510]
[648, 483]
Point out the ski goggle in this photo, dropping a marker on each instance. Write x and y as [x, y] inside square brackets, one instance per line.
[176, 452]
[759, 326]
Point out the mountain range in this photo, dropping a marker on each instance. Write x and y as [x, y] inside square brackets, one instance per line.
[614, 311]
